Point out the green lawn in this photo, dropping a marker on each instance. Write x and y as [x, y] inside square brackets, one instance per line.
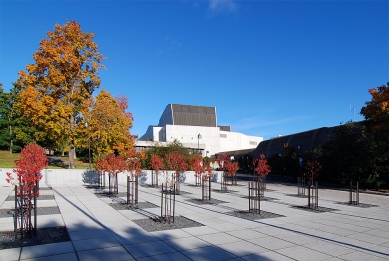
[7, 161]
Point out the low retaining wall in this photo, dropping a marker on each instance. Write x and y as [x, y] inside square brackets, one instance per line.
[64, 176]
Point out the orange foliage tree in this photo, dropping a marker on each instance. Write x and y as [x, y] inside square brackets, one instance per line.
[156, 164]
[113, 165]
[108, 124]
[133, 163]
[261, 166]
[376, 113]
[208, 170]
[176, 161]
[196, 164]
[64, 74]
[221, 161]
[32, 161]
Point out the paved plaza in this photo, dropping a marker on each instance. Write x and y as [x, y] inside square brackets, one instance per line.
[99, 232]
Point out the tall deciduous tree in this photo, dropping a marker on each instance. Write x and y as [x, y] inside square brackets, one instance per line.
[376, 112]
[109, 124]
[64, 74]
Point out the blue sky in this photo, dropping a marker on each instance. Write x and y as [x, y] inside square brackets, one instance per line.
[270, 67]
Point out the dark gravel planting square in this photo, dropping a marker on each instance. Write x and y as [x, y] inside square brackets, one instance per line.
[155, 224]
[45, 188]
[44, 236]
[121, 206]
[199, 201]
[263, 198]
[41, 197]
[41, 211]
[253, 216]
[297, 196]
[222, 191]
[360, 205]
[315, 210]
[149, 186]
[110, 195]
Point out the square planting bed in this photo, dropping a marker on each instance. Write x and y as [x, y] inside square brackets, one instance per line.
[153, 224]
[44, 236]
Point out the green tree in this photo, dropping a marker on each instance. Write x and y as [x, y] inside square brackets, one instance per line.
[14, 127]
[349, 155]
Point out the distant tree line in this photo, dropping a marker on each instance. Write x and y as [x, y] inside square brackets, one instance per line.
[354, 151]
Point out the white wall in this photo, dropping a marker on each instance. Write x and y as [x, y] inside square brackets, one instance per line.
[237, 141]
[67, 176]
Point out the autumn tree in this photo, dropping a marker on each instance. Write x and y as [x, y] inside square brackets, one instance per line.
[376, 112]
[196, 164]
[231, 168]
[207, 168]
[28, 172]
[109, 124]
[133, 163]
[222, 160]
[261, 166]
[176, 161]
[113, 165]
[156, 164]
[64, 74]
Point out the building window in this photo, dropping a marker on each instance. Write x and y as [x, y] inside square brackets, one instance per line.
[253, 143]
[223, 135]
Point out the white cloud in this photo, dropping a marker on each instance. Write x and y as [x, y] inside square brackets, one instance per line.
[223, 6]
[168, 44]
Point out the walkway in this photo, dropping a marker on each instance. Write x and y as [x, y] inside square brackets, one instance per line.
[99, 232]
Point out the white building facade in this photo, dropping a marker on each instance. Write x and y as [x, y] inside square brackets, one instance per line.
[195, 127]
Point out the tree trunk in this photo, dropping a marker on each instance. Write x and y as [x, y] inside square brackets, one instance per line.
[71, 145]
[11, 141]
[10, 135]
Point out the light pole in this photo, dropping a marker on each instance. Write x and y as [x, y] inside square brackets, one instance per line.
[90, 163]
[198, 142]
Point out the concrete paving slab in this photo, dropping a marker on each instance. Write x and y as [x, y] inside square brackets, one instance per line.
[169, 234]
[246, 234]
[95, 243]
[242, 248]
[302, 253]
[149, 249]
[62, 257]
[271, 243]
[30, 252]
[166, 257]
[267, 256]
[332, 249]
[117, 253]
[88, 234]
[203, 230]
[205, 253]
[11, 254]
[219, 238]
[361, 256]
[186, 243]
[377, 240]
